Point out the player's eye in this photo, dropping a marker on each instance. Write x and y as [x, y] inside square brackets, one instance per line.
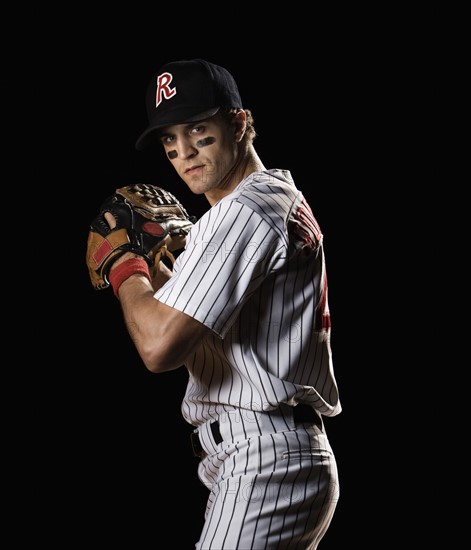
[196, 130]
[166, 139]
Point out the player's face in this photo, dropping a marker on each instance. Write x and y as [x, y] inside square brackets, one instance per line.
[202, 153]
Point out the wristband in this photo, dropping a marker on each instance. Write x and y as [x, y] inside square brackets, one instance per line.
[123, 271]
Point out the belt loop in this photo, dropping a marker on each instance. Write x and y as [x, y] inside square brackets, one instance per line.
[216, 432]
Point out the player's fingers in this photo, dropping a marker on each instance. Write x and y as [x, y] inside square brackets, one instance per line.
[176, 242]
[110, 219]
[160, 273]
[156, 249]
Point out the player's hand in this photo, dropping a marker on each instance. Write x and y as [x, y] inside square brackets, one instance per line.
[146, 220]
[175, 242]
[160, 272]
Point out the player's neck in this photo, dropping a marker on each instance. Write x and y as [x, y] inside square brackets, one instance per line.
[248, 164]
[254, 162]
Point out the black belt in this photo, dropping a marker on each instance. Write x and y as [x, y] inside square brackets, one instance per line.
[302, 414]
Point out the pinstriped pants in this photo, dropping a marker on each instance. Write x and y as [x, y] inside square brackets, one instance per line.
[271, 491]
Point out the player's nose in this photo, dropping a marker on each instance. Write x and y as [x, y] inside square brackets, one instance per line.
[185, 149]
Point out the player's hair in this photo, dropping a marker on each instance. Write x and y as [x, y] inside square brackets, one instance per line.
[250, 132]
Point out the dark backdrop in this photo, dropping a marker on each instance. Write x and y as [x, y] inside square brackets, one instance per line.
[112, 448]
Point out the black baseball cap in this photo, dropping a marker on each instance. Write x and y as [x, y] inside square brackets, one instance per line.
[187, 91]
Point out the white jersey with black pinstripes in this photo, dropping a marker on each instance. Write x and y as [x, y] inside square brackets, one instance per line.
[253, 270]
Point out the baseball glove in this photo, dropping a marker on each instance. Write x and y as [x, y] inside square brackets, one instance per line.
[145, 215]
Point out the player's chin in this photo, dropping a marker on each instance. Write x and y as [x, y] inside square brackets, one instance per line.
[197, 180]
[200, 186]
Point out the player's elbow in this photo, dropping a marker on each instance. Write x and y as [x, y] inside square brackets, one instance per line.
[157, 358]
[165, 343]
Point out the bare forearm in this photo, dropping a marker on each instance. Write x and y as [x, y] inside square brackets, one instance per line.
[163, 336]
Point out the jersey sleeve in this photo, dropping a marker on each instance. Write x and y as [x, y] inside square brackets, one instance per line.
[229, 253]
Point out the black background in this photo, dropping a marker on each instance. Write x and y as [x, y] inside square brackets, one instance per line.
[110, 450]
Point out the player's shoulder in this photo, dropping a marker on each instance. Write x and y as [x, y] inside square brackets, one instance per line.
[275, 180]
[268, 192]
[263, 197]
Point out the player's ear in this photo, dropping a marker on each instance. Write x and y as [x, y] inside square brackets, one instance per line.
[239, 122]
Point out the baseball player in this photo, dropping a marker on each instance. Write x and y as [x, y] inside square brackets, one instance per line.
[245, 310]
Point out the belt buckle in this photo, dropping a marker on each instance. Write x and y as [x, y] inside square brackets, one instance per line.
[196, 445]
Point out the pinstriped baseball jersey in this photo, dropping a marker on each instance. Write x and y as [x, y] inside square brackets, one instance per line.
[253, 271]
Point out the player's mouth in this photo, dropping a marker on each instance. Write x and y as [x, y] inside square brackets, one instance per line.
[192, 170]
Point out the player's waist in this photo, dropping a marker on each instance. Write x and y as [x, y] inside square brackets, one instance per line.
[240, 424]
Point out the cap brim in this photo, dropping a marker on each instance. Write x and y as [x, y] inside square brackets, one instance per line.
[149, 133]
